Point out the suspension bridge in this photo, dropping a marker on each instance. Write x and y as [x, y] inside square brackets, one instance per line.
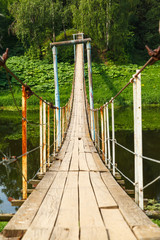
[78, 196]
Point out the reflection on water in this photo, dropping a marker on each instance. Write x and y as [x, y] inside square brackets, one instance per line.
[10, 144]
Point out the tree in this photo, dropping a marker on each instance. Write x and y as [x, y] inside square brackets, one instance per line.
[35, 21]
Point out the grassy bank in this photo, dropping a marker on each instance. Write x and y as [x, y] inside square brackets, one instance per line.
[107, 81]
[2, 225]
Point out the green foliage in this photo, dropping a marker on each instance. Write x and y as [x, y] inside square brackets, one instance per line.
[156, 221]
[39, 75]
[2, 225]
[108, 80]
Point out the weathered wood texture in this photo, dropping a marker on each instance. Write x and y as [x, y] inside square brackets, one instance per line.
[78, 198]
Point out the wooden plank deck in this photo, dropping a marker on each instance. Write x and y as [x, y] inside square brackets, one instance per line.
[78, 199]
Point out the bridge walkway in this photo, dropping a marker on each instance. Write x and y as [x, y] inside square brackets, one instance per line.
[78, 198]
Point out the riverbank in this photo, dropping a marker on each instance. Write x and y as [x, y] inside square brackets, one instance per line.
[107, 81]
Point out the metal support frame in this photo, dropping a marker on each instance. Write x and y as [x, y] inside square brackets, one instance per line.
[113, 139]
[48, 147]
[90, 89]
[57, 97]
[105, 135]
[41, 135]
[44, 138]
[24, 143]
[108, 137]
[102, 134]
[138, 141]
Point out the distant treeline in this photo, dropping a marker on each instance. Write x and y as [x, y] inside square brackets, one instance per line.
[119, 28]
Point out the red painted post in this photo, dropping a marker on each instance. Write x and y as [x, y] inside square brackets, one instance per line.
[24, 143]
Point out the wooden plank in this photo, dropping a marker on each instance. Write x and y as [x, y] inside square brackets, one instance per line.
[91, 223]
[5, 217]
[66, 162]
[91, 163]
[116, 226]
[82, 162]
[86, 145]
[100, 165]
[63, 150]
[67, 225]
[21, 221]
[55, 165]
[17, 202]
[81, 145]
[70, 146]
[146, 232]
[74, 160]
[130, 211]
[104, 198]
[44, 221]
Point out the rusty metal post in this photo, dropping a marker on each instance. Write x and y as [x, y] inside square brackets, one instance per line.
[98, 130]
[90, 88]
[95, 129]
[102, 134]
[24, 143]
[48, 148]
[44, 137]
[41, 136]
[63, 123]
[66, 116]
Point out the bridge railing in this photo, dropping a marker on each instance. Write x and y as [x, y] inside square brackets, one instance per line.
[46, 127]
[105, 143]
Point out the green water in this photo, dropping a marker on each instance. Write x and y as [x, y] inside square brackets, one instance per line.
[10, 144]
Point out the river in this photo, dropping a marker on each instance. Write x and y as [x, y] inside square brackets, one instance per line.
[10, 145]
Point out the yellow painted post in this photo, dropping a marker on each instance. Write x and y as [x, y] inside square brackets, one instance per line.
[63, 123]
[24, 143]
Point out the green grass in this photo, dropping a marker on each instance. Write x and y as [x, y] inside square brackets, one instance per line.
[107, 81]
[156, 221]
[2, 225]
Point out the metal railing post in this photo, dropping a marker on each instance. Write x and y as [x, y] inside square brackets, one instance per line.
[138, 141]
[44, 138]
[102, 134]
[108, 137]
[54, 133]
[98, 131]
[90, 88]
[105, 135]
[74, 37]
[24, 143]
[48, 147]
[113, 139]
[57, 97]
[41, 136]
